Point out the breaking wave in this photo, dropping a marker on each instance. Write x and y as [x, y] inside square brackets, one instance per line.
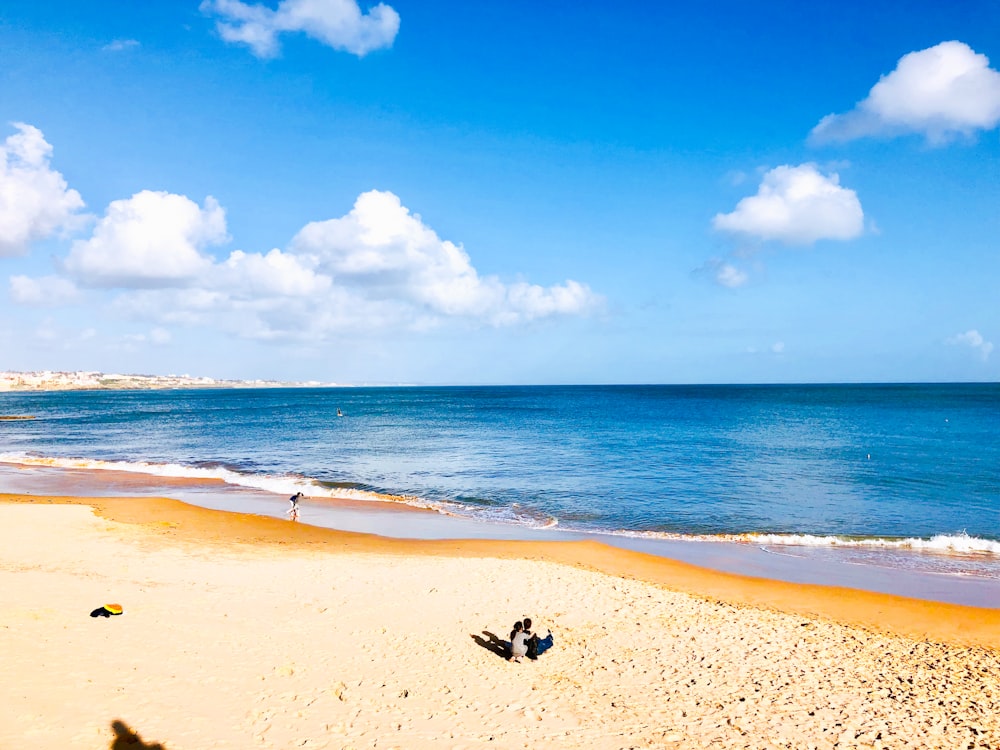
[954, 544]
[279, 484]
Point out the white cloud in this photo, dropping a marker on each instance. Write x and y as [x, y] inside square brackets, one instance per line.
[940, 92]
[151, 239]
[120, 45]
[188, 307]
[275, 274]
[384, 252]
[972, 339]
[796, 206]
[778, 347]
[525, 301]
[273, 318]
[378, 267]
[35, 201]
[730, 276]
[339, 24]
[723, 273]
[45, 291]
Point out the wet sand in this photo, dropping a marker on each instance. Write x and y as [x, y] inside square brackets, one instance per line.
[830, 567]
[245, 631]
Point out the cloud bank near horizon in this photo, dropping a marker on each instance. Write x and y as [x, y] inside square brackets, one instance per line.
[379, 267]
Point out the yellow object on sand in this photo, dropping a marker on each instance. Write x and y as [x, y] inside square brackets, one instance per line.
[115, 609]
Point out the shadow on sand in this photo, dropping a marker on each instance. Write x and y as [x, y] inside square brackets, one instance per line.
[492, 643]
[129, 739]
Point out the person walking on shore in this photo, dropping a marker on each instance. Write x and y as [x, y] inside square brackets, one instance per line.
[293, 511]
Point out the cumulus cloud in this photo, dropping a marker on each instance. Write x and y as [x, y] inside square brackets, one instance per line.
[151, 239]
[974, 340]
[276, 295]
[265, 318]
[939, 92]
[44, 291]
[339, 24]
[35, 201]
[274, 274]
[377, 267]
[384, 251]
[796, 206]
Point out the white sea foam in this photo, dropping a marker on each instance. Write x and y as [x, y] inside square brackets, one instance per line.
[947, 543]
[279, 484]
[286, 485]
[956, 544]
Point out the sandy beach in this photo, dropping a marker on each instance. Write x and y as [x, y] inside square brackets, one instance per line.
[241, 631]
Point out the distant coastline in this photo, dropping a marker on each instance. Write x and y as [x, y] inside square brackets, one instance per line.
[47, 380]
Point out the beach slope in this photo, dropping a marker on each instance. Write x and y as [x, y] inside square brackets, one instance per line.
[241, 631]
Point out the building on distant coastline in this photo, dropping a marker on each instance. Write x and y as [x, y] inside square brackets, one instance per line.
[47, 380]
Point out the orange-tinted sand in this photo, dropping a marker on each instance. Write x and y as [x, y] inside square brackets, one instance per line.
[243, 631]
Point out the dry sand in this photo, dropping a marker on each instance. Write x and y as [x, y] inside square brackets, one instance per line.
[245, 632]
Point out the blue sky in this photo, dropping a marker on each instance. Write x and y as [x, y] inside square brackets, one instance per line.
[454, 192]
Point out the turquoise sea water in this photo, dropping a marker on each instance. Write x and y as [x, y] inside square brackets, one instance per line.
[871, 467]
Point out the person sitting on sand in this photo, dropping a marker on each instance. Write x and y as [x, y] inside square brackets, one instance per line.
[532, 639]
[543, 644]
[535, 644]
[518, 642]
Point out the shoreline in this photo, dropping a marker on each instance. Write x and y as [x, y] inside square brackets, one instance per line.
[873, 570]
[248, 631]
[141, 474]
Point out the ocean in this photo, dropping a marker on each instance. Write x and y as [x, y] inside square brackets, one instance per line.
[906, 475]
